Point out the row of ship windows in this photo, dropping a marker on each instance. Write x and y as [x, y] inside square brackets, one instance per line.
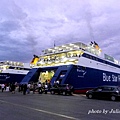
[17, 68]
[59, 58]
[100, 60]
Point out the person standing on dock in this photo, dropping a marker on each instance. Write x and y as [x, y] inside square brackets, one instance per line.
[46, 88]
[24, 89]
[39, 88]
[34, 88]
[2, 86]
[13, 88]
[28, 88]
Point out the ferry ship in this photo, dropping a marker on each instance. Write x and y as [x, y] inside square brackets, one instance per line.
[84, 66]
[13, 72]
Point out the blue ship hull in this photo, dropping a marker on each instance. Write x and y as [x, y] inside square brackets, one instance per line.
[82, 78]
[10, 78]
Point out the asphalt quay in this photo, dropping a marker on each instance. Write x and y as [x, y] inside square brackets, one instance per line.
[53, 107]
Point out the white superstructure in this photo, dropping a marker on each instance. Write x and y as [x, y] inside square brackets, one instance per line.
[14, 67]
[78, 54]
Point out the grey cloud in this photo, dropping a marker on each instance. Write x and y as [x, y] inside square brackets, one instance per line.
[11, 11]
[15, 51]
[30, 26]
[8, 26]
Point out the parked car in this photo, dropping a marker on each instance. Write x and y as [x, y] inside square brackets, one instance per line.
[110, 92]
[62, 89]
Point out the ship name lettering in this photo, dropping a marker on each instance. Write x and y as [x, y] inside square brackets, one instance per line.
[119, 78]
[109, 78]
[80, 70]
[106, 78]
[114, 78]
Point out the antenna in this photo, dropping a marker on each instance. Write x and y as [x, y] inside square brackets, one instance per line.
[54, 43]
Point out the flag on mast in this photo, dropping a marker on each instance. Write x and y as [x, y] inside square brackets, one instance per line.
[54, 43]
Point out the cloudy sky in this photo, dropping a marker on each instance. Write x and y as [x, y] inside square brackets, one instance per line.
[29, 26]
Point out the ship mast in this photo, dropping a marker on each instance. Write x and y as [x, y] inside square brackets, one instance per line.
[54, 43]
